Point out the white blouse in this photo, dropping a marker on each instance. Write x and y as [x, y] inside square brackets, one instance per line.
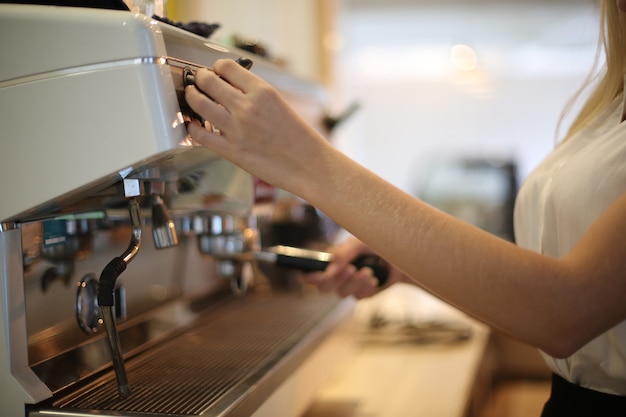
[557, 203]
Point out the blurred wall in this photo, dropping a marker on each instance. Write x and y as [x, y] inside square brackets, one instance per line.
[394, 59]
[289, 29]
[419, 102]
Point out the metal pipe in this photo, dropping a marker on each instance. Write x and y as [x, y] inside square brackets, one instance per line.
[108, 317]
[135, 239]
[163, 230]
[106, 287]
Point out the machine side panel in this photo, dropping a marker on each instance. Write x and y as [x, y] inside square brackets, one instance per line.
[24, 386]
[86, 130]
[39, 39]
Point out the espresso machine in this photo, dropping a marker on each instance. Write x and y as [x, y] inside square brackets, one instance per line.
[122, 289]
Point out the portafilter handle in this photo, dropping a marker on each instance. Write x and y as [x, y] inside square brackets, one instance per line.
[307, 260]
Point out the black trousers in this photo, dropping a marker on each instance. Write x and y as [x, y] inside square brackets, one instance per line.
[570, 400]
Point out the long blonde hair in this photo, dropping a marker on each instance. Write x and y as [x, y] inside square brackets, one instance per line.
[610, 78]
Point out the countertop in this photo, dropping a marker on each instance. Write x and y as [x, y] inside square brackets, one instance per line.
[405, 379]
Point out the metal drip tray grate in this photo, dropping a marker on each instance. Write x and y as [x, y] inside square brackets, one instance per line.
[211, 367]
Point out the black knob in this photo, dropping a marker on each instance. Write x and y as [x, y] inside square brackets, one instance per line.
[189, 78]
[244, 62]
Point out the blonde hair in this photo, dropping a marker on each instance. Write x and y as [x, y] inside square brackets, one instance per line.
[610, 78]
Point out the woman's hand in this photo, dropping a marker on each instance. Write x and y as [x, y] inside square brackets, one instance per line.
[257, 129]
[343, 278]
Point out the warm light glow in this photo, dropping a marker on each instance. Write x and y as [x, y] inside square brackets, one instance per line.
[178, 120]
[463, 57]
[333, 42]
[158, 292]
[188, 141]
[218, 48]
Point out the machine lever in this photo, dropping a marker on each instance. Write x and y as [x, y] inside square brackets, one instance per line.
[106, 298]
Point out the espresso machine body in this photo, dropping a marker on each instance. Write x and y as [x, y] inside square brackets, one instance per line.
[90, 98]
[95, 155]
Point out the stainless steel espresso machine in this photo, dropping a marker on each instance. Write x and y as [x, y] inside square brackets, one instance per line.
[122, 292]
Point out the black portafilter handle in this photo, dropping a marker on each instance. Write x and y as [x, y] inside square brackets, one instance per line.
[378, 265]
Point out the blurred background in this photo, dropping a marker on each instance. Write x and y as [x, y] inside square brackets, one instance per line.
[443, 78]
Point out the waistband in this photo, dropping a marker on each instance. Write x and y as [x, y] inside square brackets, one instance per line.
[570, 400]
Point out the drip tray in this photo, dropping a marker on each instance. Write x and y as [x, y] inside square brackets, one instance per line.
[226, 364]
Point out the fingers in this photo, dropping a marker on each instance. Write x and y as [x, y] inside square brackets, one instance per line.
[236, 75]
[333, 285]
[218, 95]
[329, 280]
[226, 83]
[207, 105]
[342, 276]
[345, 281]
[361, 284]
[206, 137]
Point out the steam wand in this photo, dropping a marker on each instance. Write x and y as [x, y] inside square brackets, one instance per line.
[106, 298]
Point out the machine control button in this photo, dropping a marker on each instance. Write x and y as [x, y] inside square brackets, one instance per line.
[189, 78]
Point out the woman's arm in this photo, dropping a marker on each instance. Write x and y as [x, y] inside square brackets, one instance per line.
[554, 304]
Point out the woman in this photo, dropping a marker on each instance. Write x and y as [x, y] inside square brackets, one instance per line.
[561, 289]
